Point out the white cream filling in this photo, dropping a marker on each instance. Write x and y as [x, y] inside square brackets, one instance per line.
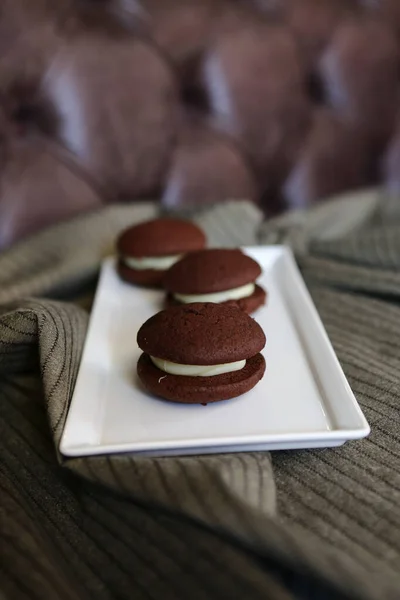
[235, 294]
[157, 263]
[197, 370]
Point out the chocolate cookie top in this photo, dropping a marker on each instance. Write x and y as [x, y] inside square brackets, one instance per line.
[211, 270]
[201, 334]
[160, 237]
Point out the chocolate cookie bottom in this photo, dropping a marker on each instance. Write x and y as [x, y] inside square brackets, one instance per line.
[249, 304]
[200, 390]
[145, 277]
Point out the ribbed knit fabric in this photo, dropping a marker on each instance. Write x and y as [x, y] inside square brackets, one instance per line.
[301, 524]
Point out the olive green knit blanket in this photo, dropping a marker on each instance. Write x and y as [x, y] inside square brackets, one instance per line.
[301, 524]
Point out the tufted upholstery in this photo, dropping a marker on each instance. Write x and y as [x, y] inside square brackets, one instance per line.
[281, 101]
[115, 107]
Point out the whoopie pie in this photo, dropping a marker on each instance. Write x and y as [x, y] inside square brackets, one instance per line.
[147, 250]
[200, 353]
[215, 275]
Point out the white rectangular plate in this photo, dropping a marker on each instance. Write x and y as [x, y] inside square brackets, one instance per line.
[303, 401]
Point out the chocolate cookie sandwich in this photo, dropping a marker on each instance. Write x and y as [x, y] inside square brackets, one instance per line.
[147, 250]
[200, 353]
[215, 275]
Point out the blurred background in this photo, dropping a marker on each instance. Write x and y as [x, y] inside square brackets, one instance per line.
[282, 102]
